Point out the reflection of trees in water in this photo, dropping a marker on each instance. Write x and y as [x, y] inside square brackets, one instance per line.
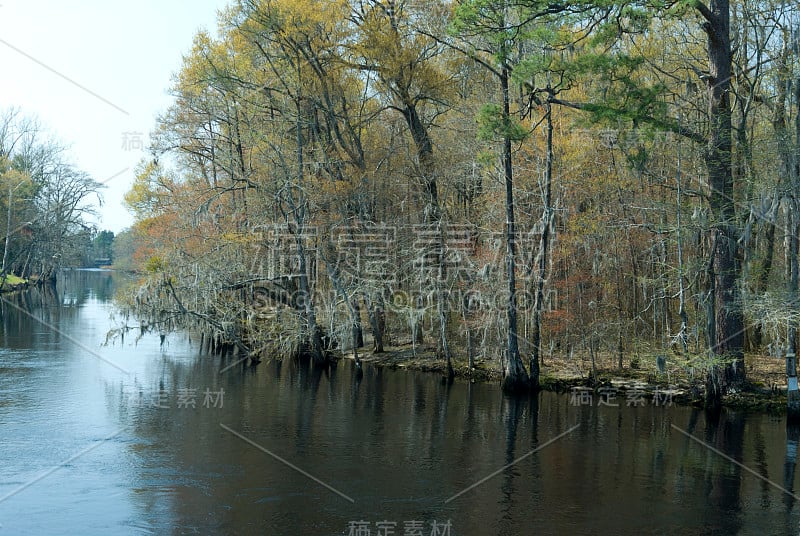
[517, 410]
[78, 286]
[394, 430]
[718, 479]
[35, 316]
[725, 431]
[789, 467]
[760, 464]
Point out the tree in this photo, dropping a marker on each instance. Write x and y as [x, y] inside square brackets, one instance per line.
[304, 127]
[727, 337]
[788, 79]
[103, 246]
[405, 64]
[489, 24]
[123, 250]
[47, 200]
[62, 203]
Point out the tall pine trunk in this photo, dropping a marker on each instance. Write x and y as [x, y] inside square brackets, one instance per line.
[515, 378]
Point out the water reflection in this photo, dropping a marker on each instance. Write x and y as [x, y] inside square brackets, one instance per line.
[399, 443]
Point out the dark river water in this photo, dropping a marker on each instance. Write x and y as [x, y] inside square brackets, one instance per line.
[131, 437]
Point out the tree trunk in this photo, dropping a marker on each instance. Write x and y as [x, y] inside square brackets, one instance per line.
[377, 321]
[542, 256]
[789, 167]
[515, 378]
[728, 341]
[314, 334]
[352, 305]
[442, 310]
[467, 333]
[432, 217]
[358, 331]
[682, 333]
[793, 394]
[316, 346]
[766, 270]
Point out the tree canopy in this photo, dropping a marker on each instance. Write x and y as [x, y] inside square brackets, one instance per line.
[603, 178]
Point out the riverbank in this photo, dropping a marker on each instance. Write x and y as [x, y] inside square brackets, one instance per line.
[766, 390]
[12, 283]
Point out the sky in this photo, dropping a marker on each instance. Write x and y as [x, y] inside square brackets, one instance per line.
[96, 74]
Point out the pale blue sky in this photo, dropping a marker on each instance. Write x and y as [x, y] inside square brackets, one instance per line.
[123, 52]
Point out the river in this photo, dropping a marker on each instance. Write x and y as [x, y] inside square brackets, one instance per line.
[137, 437]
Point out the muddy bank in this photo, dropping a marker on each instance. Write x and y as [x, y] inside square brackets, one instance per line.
[766, 390]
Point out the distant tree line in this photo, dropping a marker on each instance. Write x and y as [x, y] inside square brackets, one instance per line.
[45, 201]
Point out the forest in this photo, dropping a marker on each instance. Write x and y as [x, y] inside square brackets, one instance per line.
[502, 180]
[46, 203]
